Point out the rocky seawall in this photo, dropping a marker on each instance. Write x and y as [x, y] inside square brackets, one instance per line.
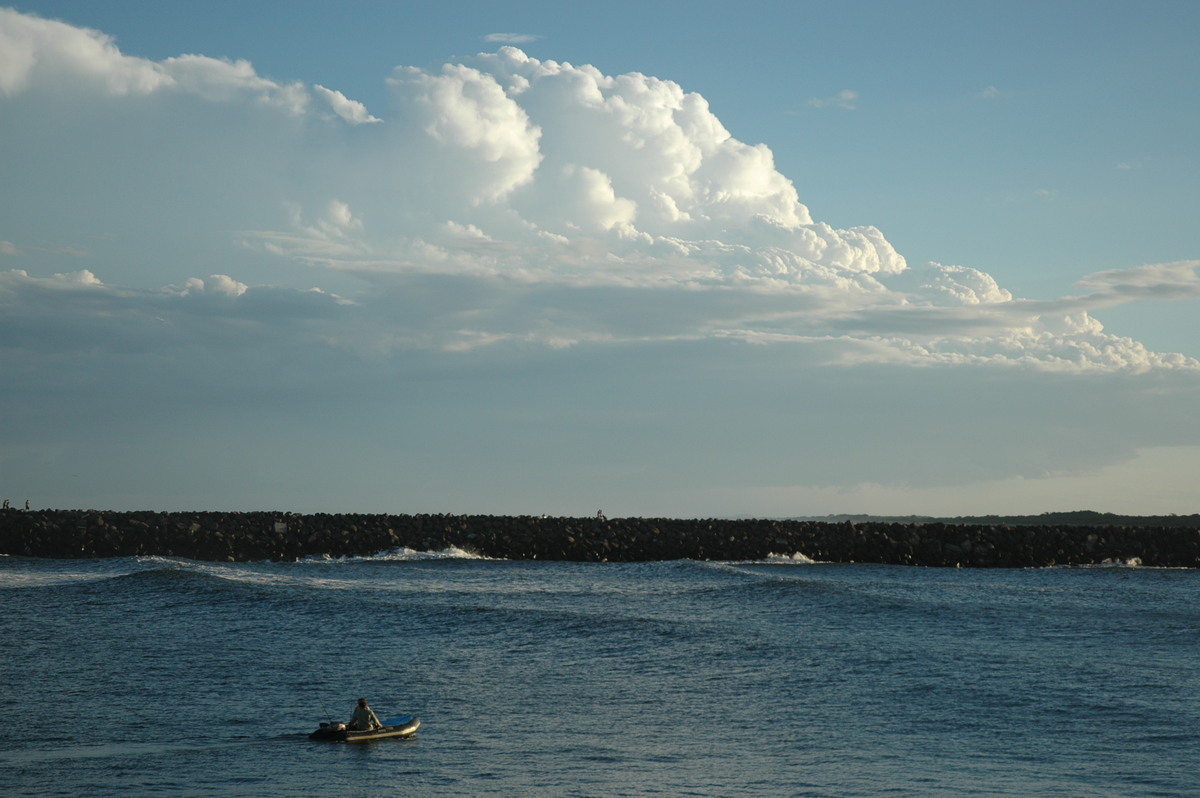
[235, 536]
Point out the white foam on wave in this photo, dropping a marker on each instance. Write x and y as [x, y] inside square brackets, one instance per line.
[47, 573]
[27, 579]
[400, 554]
[771, 559]
[404, 554]
[1129, 562]
[790, 559]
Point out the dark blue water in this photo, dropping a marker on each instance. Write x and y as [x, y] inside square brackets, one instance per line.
[153, 676]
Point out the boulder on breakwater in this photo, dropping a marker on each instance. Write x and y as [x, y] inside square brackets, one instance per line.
[237, 536]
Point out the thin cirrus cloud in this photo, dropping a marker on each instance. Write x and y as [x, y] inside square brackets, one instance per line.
[846, 99]
[511, 38]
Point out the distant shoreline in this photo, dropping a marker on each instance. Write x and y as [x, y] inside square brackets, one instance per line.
[1067, 518]
[251, 536]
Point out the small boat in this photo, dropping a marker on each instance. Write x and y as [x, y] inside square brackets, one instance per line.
[402, 726]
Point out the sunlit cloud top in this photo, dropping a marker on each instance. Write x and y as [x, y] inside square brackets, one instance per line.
[538, 189]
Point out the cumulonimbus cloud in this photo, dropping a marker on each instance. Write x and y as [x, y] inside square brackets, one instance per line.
[508, 196]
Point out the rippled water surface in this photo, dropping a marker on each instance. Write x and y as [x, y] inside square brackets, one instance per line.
[155, 676]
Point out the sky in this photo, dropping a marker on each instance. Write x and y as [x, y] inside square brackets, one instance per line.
[655, 259]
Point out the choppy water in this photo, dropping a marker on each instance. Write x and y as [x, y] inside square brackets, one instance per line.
[154, 676]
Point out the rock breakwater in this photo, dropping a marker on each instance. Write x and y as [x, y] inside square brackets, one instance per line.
[237, 536]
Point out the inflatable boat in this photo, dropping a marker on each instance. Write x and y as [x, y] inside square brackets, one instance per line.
[402, 726]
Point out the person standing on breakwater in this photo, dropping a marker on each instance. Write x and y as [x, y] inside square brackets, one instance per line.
[364, 718]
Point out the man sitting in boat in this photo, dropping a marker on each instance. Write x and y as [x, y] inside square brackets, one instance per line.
[364, 718]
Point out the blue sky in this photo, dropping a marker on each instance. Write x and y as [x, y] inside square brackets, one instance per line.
[654, 258]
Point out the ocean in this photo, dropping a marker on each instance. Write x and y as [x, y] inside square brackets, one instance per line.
[780, 677]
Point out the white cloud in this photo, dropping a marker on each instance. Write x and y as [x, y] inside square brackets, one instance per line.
[951, 285]
[38, 52]
[81, 277]
[505, 200]
[1178, 280]
[224, 284]
[472, 138]
[350, 110]
[45, 55]
[538, 187]
[846, 99]
[511, 38]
